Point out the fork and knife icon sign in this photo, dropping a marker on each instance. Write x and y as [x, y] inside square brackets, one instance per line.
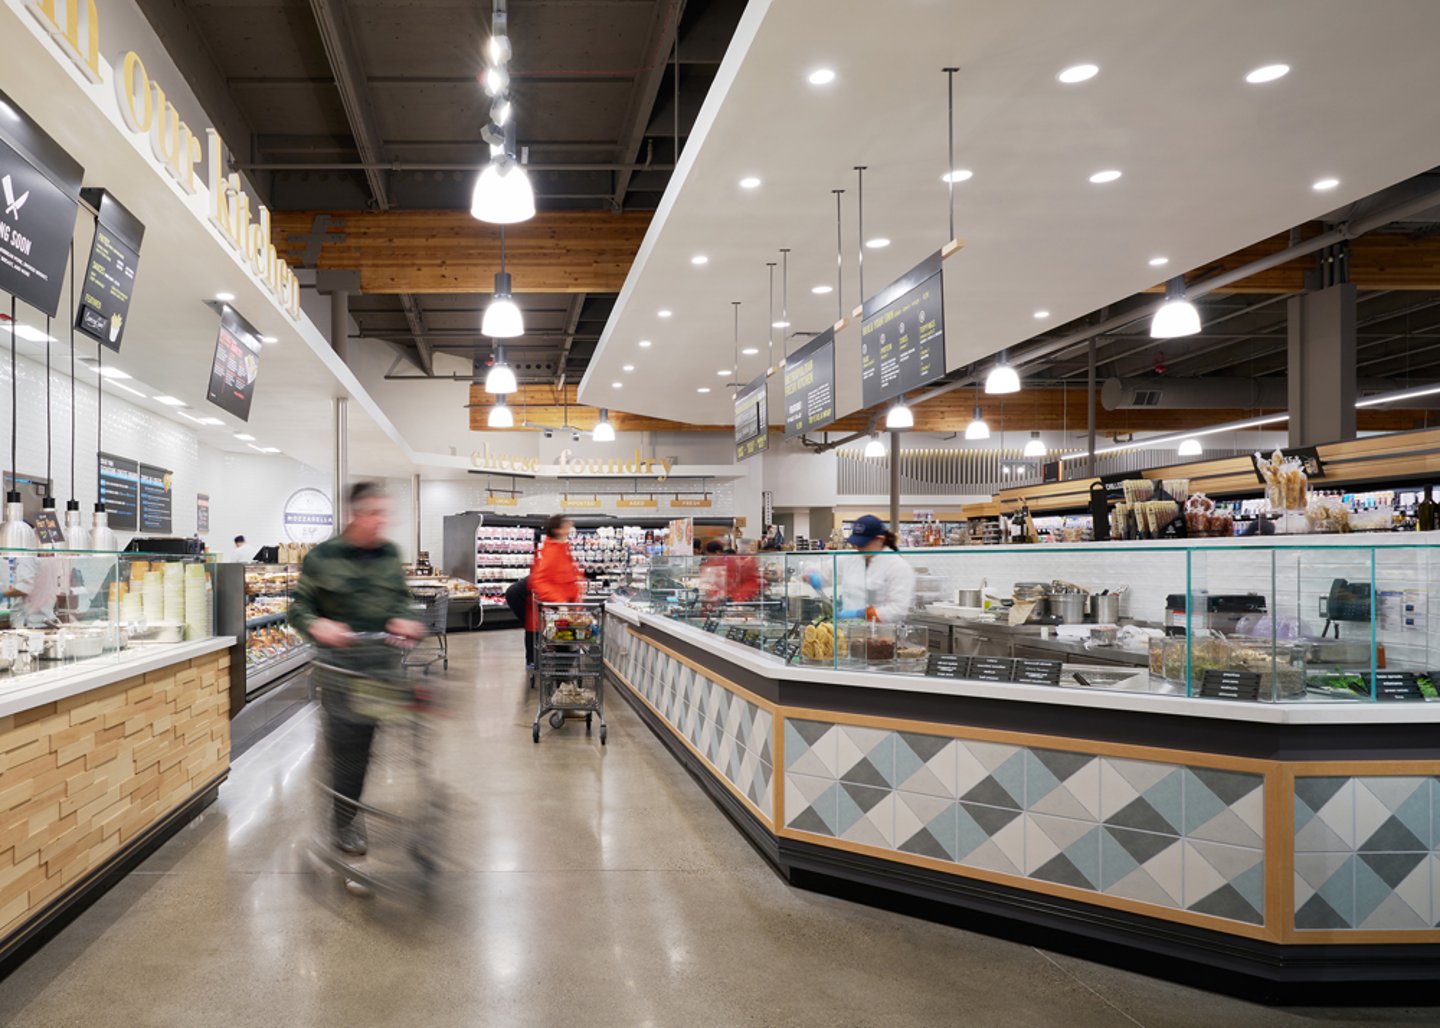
[12, 202]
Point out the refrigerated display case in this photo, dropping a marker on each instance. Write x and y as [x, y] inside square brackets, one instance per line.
[254, 606]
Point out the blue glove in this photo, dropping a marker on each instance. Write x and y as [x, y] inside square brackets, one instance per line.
[813, 577]
[852, 615]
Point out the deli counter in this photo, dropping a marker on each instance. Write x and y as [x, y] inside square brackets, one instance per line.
[1218, 752]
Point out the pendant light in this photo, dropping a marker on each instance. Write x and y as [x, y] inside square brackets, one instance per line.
[977, 429]
[501, 416]
[1035, 447]
[604, 431]
[503, 319]
[1177, 316]
[77, 536]
[15, 534]
[899, 416]
[1190, 448]
[875, 448]
[503, 194]
[102, 536]
[1002, 379]
[500, 379]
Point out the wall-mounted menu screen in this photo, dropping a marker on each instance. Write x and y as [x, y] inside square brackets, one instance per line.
[110, 275]
[902, 334]
[156, 506]
[39, 191]
[120, 491]
[752, 419]
[237, 363]
[810, 385]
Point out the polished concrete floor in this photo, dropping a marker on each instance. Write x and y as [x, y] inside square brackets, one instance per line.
[595, 887]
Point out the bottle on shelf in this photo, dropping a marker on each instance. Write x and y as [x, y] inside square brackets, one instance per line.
[1425, 513]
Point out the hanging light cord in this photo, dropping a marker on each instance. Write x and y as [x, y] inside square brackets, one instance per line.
[48, 491]
[14, 398]
[72, 374]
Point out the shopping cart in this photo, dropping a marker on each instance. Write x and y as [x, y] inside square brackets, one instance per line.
[430, 606]
[371, 707]
[570, 664]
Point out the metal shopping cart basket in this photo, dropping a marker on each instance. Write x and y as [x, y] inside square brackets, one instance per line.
[431, 607]
[570, 664]
[375, 714]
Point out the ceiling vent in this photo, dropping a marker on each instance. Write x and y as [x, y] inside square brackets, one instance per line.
[1147, 398]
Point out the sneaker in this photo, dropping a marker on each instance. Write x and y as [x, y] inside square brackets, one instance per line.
[351, 839]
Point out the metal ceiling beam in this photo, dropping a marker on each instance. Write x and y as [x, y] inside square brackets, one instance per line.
[415, 318]
[572, 322]
[664, 31]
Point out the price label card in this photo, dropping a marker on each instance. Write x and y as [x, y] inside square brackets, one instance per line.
[947, 665]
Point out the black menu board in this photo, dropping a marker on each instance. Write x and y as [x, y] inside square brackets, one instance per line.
[156, 510]
[810, 385]
[47, 528]
[39, 191]
[110, 275]
[752, 420]
[237, 363]
[902, 334]
[120, 491]
[202, 513]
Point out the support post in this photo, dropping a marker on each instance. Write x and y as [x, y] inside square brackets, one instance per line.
[342, 459]
[895, 483]
[340, 324]
[1322, 365]
[415, 511]
[1090, 412]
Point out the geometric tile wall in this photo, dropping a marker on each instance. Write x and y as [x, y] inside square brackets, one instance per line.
[732, 734]
[1367, 854]
[1169, 835]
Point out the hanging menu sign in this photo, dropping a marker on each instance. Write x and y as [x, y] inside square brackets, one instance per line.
[110, 275]
[236, 365]
[120, 491]
[39, 191]
[810, 385]
[156, 508]
[202, 513]
[902, 334]
[47, 528]
[752, 419]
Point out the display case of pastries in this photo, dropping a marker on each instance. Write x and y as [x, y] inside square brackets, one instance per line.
[254, 607]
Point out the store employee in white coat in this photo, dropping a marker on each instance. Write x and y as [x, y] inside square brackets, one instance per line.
[874, 584]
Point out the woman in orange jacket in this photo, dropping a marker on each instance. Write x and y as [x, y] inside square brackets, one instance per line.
[554, 576]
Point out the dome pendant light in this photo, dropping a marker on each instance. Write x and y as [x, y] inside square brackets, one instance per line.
[501, 416]
[1177, 316]
[503, 319]
[900, 416]
[604, 431]
[1190, 448]
[1035, 447]
[977, 429]
[875, 448]
[1002, 378]
[500, 378]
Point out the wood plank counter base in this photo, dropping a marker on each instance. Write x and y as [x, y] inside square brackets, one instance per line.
[1281, 851]
[101, 776]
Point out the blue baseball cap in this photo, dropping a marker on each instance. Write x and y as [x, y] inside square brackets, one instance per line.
[865, 529]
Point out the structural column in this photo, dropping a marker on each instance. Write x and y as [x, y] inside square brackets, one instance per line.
[895, 483]
[342, 458]
[338, 284]
[1322, 365]
[415, 511]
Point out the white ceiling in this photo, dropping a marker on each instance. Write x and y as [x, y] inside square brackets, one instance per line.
[1210, 164]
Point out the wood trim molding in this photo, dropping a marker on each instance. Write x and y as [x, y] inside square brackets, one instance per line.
[1279, 847]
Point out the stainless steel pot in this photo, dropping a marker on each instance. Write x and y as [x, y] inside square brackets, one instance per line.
[1068, 607]
[969, 598]
[1107, 609]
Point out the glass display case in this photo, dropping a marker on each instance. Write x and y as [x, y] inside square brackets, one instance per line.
[1267, 621]
[253, 605]
[65, 608]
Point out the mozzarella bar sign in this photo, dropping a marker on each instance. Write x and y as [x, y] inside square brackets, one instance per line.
[174, 145]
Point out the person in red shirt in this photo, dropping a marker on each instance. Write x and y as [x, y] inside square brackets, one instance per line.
[726, 576]
[554, 576]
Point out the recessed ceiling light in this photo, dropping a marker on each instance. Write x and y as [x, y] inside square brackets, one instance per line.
[779, 324]
[168, 401]
[224, 297]
[822, 77]
[1041, 315]
[724, 371]
[617, 385]
[749, 351]
[1268, 73]
[1079, 73]
[1101, 177]
[699, 258]
[628, 367]
[33, 335]
[245, 437]
[662, 313]
[1159, 262]
[111, 373]
[878, 243]
[749, 182]
[128, 389]
[210, 421]
[703, 389]
[958, 175]
[822, 290]
[1325, 184]
[269, 339]
[644, 344]
[268, 449]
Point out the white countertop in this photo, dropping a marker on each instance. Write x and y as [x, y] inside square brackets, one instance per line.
[66, 680]
[1305, 712]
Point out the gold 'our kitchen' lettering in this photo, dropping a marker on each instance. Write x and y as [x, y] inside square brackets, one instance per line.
[145, 110]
